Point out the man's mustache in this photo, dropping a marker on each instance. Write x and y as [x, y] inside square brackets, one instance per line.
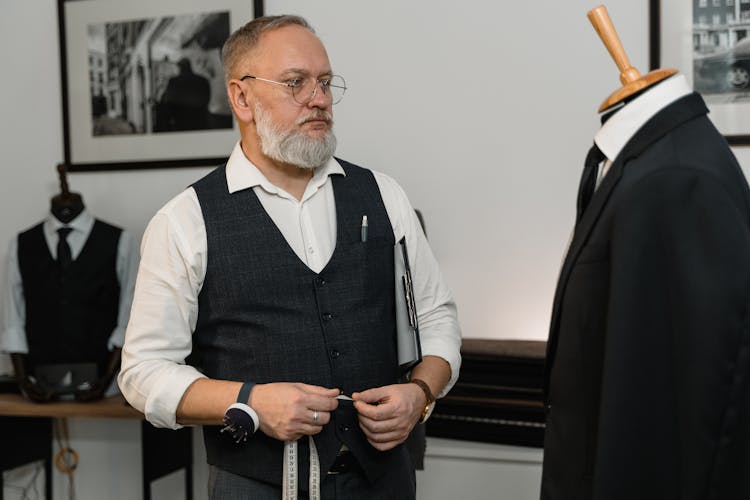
[318, 115]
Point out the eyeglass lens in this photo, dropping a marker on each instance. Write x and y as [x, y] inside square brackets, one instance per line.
[303, 93]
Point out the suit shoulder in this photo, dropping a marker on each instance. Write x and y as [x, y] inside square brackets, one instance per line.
[31, 230]
[107, 226]
[694, 147]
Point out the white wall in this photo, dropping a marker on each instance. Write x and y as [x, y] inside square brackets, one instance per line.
[482, 110]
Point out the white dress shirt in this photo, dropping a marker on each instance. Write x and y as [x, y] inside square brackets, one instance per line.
[154, 375]
[13, 336]
[623, 125]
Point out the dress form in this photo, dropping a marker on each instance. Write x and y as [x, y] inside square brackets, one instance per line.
[65, 206]
[632, 80]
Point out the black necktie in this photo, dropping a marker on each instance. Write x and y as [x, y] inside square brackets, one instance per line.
[64, 256]
[588, 179]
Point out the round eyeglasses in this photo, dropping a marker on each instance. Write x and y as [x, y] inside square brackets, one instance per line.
[304, 90]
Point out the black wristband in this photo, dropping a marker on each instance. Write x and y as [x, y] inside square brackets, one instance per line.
[244, 395]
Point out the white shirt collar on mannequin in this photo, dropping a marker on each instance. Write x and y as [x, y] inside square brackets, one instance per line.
[620, 128]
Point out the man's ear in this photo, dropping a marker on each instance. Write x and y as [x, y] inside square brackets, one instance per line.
[239, 100]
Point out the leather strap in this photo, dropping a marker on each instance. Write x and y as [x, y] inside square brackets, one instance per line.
[426, 388]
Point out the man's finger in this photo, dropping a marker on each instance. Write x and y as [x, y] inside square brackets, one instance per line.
[317, 418]
[322, 391]
[322, 403]
[374, 412]
[371, 396]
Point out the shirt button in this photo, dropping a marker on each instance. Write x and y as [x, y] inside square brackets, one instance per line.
[310, 250]
[327, 316]
[335, 354]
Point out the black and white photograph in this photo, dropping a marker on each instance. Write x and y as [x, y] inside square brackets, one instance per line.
[143, 84]
[721, 68]
[158, 75]
[709, 42]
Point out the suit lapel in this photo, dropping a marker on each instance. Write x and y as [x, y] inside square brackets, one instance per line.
[677, 113]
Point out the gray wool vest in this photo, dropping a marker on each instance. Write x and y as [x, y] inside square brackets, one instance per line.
[264, 316]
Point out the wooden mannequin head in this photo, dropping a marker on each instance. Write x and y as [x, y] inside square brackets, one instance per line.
[631, 79]
[65, 206]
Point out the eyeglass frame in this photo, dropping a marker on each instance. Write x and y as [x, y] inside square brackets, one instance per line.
[318, 84]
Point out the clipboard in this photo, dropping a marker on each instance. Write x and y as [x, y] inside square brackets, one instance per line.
[407, 326]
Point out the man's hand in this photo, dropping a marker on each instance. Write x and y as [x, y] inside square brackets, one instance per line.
[92, 393]
[388, 414]
[286, 410]
[30, 389]
[33, 391]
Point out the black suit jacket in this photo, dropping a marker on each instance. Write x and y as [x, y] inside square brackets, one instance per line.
[649, 349]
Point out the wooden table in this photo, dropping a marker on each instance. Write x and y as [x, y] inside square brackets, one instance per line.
[26, 430]
[14, 405]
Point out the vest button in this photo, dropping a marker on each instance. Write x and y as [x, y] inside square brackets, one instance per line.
[327, 316]
[321, 281]
[344, 428]
[335, 354]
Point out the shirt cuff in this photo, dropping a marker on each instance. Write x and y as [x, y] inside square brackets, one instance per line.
[449, 352]
[117, 339]
[13, 340]
[161, 404]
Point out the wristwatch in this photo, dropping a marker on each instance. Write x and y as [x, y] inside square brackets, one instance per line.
[240, 420]
[430, 404]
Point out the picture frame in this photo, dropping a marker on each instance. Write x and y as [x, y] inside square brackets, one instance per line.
[708, 41]
[142, 83]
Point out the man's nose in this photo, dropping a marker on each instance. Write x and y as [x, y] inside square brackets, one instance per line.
[320, 98]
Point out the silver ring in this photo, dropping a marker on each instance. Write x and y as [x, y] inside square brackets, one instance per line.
[315, 416]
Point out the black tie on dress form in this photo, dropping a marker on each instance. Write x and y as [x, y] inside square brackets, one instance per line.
[588, 179]
[64, 256]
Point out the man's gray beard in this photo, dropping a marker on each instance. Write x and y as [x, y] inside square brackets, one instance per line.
[293, 148]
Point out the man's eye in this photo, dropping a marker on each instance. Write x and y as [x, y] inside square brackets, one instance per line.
[295, 82]
[325, 83]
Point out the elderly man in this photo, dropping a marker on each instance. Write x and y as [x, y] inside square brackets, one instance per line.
[262, 273]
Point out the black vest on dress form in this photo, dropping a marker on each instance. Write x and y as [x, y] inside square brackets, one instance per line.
[264, 316]
[71, 315]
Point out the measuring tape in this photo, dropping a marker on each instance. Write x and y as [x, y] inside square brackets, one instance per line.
[289, 487]
[290, 475]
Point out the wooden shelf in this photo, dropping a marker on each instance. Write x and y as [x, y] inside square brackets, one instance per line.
[15, 405]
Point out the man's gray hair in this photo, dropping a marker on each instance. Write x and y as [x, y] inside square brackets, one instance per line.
[246, 38]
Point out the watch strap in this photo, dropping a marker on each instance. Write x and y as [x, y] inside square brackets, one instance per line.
[426, 388]
[244, 395]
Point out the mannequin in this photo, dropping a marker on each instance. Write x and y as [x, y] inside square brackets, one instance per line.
[633, 83]
[646, 381]
[65, 206]
[94, 292]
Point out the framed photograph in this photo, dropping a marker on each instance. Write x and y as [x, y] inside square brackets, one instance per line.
[709, 42]
[143, 84]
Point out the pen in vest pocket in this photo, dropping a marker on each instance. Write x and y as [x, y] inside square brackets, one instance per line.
[363, 229]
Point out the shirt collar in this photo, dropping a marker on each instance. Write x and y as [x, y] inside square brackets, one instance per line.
[83, 222]
[623, 125]
[242, 174]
